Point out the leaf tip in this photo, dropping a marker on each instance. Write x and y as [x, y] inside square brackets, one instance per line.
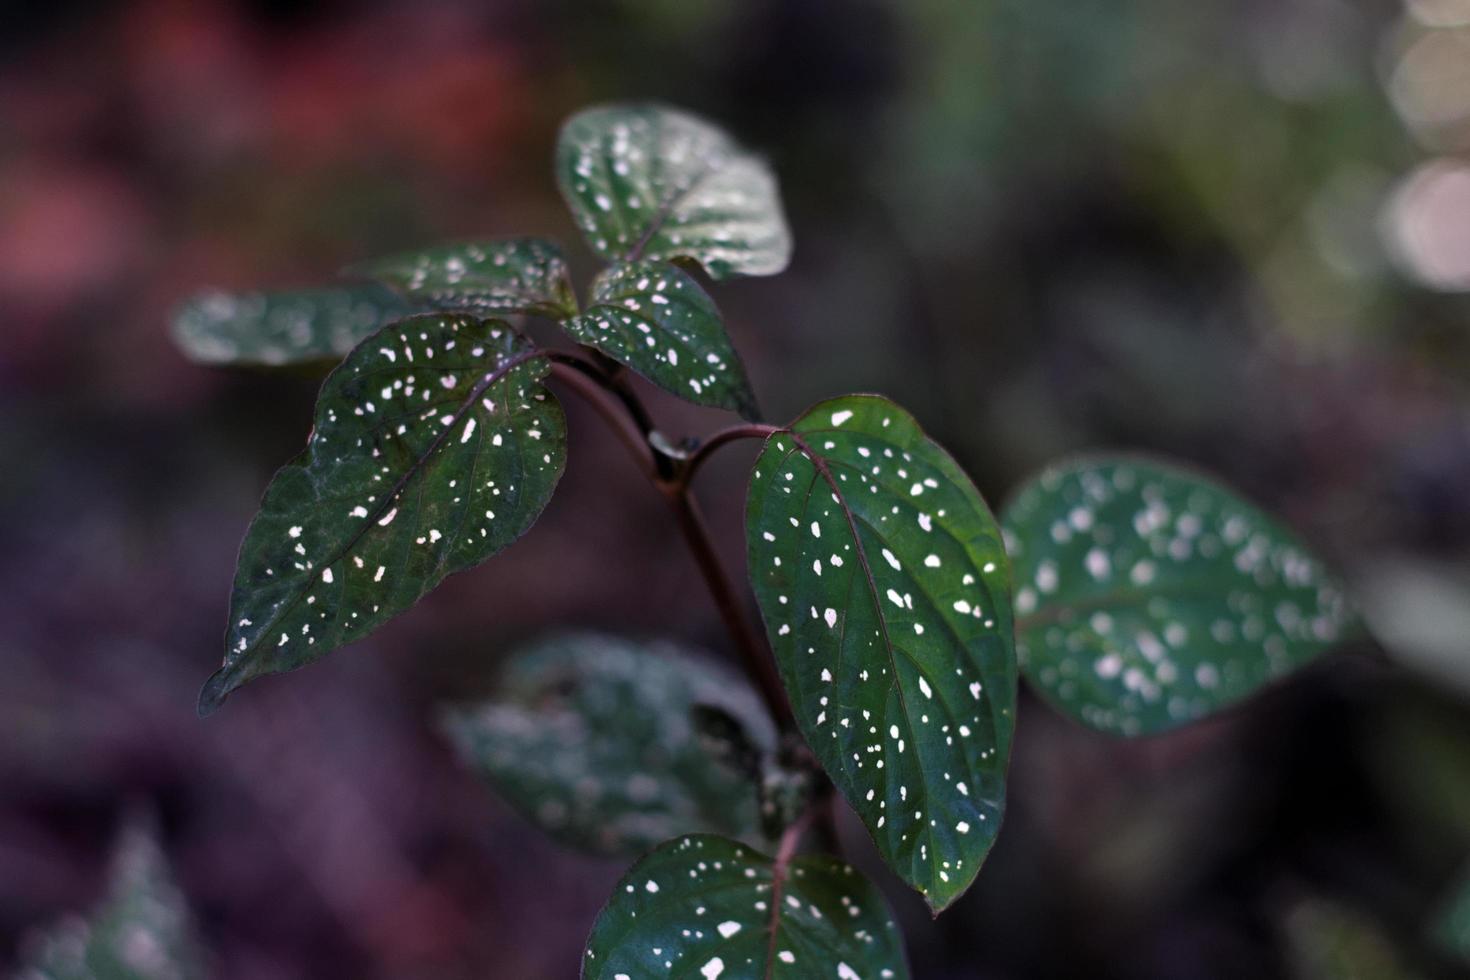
[215, 691]
[748, 408]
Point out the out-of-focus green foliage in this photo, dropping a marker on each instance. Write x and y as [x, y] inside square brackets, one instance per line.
[513, 275]
[654, 182]
[1329, 941]
[1452, 928]
[141, 931]
[1148, 596]
[592, 738]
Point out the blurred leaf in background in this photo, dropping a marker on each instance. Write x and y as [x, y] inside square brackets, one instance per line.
[142, 930]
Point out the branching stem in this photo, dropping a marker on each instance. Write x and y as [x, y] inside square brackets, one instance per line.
[620, 407]
[707, 448]
[614, 413]
[758, 662]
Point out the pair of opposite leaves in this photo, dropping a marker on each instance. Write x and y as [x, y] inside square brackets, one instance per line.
[880, 572]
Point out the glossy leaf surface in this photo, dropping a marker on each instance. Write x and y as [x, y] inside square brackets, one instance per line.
[882, 580]
[704, 906]
[278, 328]
[592, 738]
[141, 931]
[653, 317]
[434, 447]
[651, 182]
[513, 275]
[1148, 596]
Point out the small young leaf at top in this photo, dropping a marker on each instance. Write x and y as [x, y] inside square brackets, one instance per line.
[279, 328]
[513, 275]
[881, 577]
[704, 906]
[591, 737]
[1148, 596]
[142, 931]
[651, 182]
[435, 446]
[654, 317]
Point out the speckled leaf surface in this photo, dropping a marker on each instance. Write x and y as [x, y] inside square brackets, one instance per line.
[707, 907]
[141, 931]
[279, 328]
[591, 737]
[513, 275]
[648, 181]
[654, 317]
[434, 447]
[881, 577]
[1148, 596]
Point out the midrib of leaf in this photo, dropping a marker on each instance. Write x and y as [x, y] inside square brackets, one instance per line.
[696, 892]
[484, 385]
[780, 869]
[918, 587]
[820, 464]
[666, 208]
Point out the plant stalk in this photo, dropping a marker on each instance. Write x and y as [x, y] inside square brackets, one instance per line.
[758, 662]
[707, 448]
[621, 409]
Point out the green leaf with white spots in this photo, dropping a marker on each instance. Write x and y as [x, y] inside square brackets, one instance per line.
[651, 182]
[704, 906]
[1148, 596]
[434, 447]
[141, 931]
[653, 317]
[882, 579]
[591, 737]
[279, 328]
[513, 275]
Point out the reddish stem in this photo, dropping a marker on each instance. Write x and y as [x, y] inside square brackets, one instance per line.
[707, 448]
[758, 663]
[621, 409]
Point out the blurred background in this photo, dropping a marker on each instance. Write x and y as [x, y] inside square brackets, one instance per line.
[1233, 231]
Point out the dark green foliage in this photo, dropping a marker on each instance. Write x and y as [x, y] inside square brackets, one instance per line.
[650, 182]
[1148, 596]
[282, 328]
[592, 738]
[708, 907]
[882, 579]
[515, 275]
[435, 446]
[653, 317]
[1145, 596]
